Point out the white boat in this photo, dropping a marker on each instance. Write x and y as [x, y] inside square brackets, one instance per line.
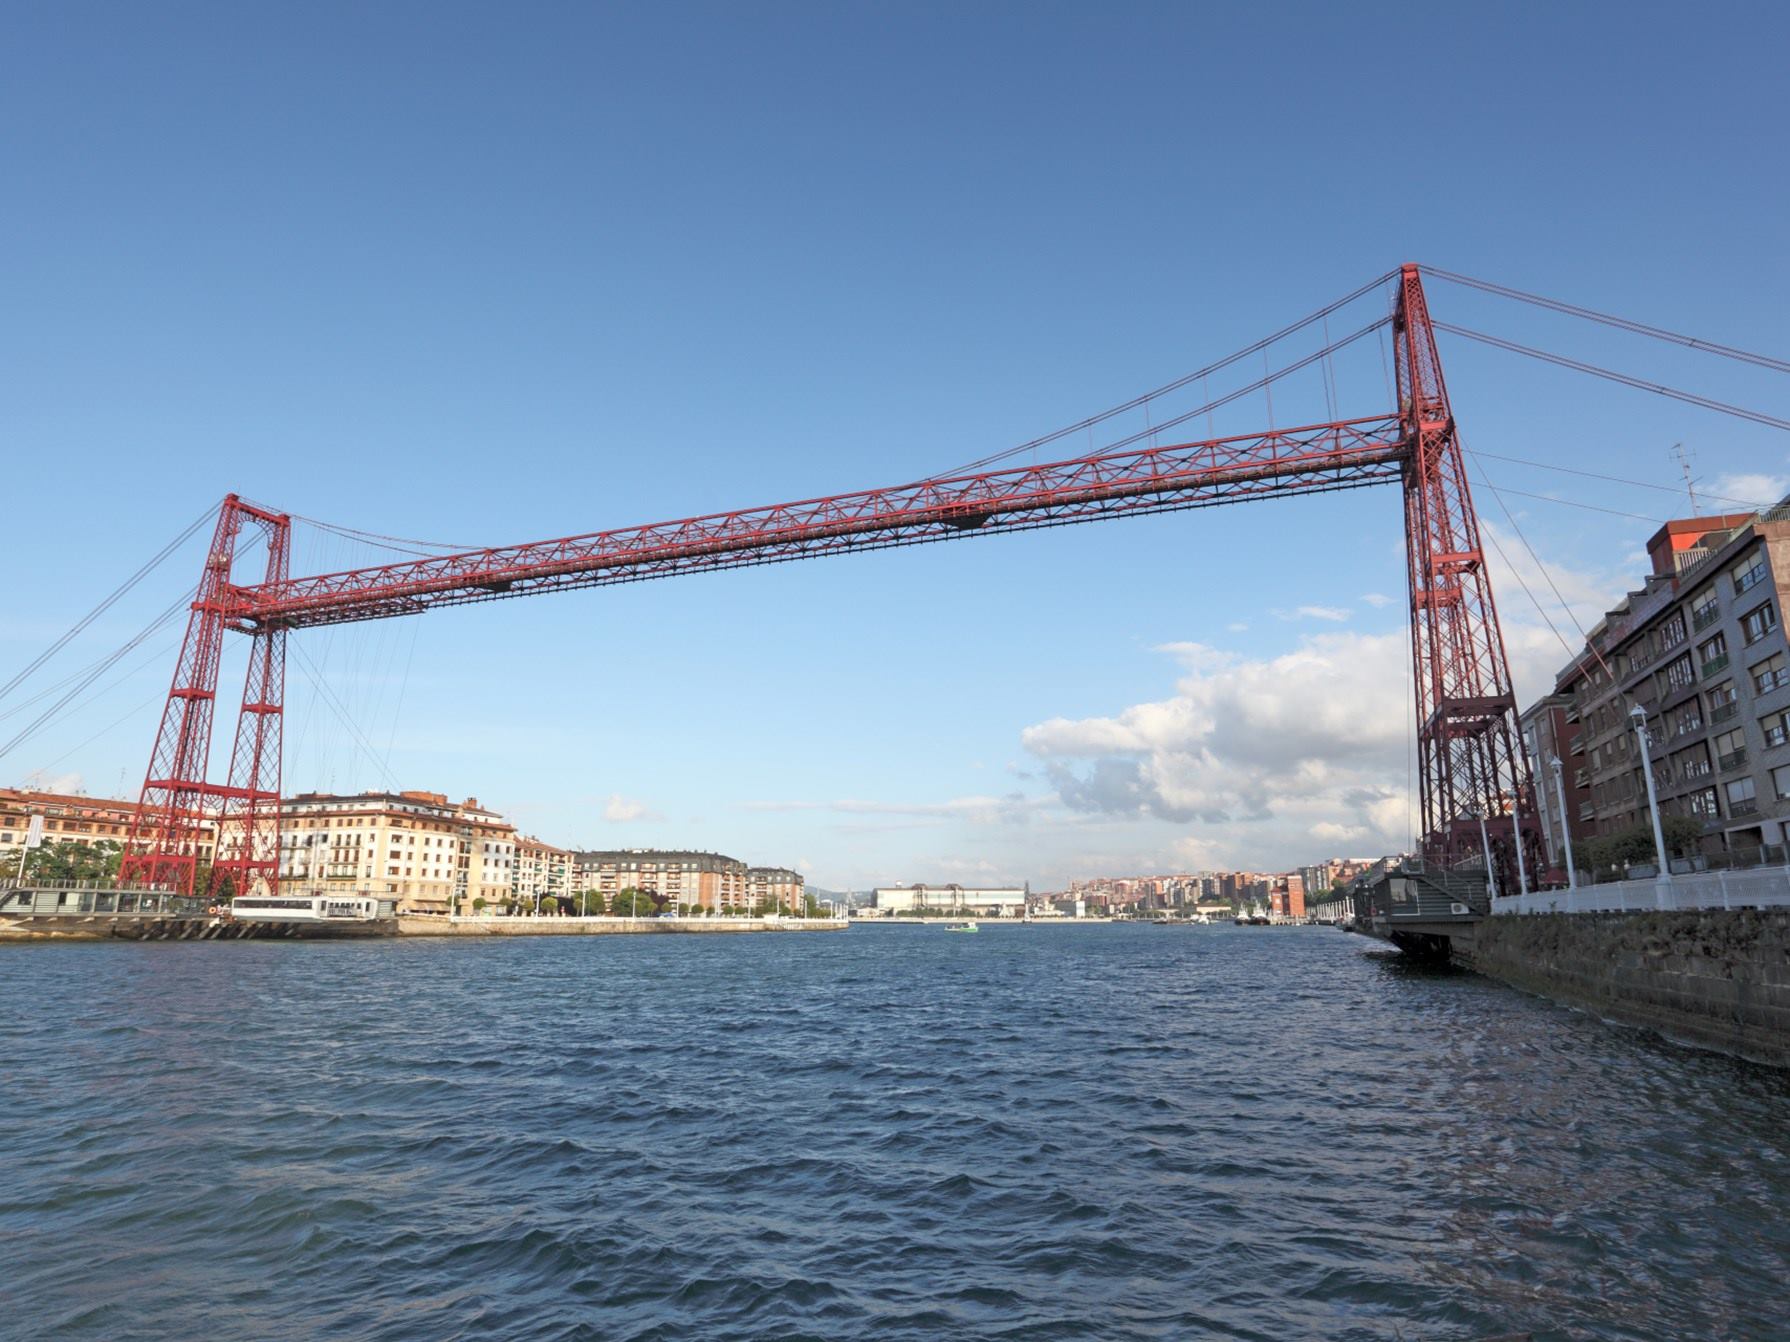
[962, 927]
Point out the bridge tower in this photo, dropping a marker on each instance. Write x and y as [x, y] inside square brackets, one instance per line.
[164, 844]
[1470, 760]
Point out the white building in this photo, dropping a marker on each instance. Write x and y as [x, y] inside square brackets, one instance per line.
[1009, 902]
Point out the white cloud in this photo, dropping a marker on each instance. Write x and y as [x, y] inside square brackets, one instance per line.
[1266, 751]
[1746, 489]
[1376, 599]
[1334, 614]
[1237, 627]
[1010, 808]
[620, 810]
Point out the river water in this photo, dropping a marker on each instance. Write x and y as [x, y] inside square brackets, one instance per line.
[1088, 1132]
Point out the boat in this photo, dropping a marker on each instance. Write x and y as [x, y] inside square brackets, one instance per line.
[962, 927]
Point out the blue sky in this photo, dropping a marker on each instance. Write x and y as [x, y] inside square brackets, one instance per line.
[494, 273]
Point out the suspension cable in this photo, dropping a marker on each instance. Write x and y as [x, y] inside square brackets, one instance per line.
[1621, 323]
[1754, 504]
[98, 670]
[1257, 385]
[109, 602]
[1168, 387]
[1690, 398]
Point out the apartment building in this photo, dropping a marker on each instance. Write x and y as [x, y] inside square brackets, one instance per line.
[1700, 648]
[1550, 728]
[430, 854]
[692, 879]
[72, 818]
[775, 887]
[541, 870]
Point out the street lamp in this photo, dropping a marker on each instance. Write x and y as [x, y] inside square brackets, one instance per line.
[1638, 716]
[1572, 874]
[1485, 839]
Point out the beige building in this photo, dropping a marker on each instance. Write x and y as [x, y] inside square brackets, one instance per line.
[70, 818]
[702, 880]
[541, 870]
[432, 855]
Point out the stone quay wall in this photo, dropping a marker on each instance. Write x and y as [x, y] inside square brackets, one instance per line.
[413, 925]
[1716, 978]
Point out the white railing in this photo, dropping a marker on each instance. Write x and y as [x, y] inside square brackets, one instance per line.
[1756, 887]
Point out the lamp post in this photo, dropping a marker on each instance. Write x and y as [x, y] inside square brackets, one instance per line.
[1485, 839]
[1516, 837]
[1572, 874]
[1638, 716]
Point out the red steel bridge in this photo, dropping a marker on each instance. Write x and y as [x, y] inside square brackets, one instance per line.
[1469, 758]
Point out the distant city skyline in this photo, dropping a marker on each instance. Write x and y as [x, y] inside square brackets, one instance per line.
[536, 278]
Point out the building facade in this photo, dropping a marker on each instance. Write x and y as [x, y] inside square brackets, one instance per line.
[1004, 902]
[1550, 732]
[72, 818]
[710, 881]
[541, 870]
[777, 888]
[1700, 650]
[430, 854]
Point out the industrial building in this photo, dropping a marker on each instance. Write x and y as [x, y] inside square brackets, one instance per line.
[1005, 902]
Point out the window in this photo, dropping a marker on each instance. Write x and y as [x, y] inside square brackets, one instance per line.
[1701, 803]
[1712, 654]
[1752, 574]
[1728, 742]
[1694, 763]
[1770, 674]
[1671, 633]
[1758, 622]
[1722, 705]
[1780, 781]
[1742, 799]
[1704, 609]
[1776, 728]
[1679, 674]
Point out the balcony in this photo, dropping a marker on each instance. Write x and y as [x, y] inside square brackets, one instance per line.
[1702, 619]
[1733, 760]
[1715, 664]
[1724, 712]
[1739, 808]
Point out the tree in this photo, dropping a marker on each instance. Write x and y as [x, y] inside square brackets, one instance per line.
[478, 903]
[590, 904]
[1682, 833]
[69, 860]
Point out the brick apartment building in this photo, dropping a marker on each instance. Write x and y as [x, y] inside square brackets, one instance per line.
[1701, 649]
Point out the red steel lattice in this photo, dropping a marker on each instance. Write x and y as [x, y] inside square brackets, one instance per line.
[1465, 707]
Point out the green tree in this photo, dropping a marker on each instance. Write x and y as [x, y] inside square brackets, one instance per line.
[1682, 833]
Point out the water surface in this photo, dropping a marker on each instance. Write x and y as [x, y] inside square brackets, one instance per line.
[890, 1133]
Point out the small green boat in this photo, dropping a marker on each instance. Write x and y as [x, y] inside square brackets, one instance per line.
[962, 927]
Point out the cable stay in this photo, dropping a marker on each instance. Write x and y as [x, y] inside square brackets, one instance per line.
[112, 600]
[1606, 319]
[1640, 384]
[1198, 375]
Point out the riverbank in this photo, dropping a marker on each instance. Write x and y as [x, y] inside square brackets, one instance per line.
[1717, 979]
[418, 925]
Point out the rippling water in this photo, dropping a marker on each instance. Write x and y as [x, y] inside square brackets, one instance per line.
[890, 1133]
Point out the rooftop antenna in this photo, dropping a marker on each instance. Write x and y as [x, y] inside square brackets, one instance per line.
[1684, 464]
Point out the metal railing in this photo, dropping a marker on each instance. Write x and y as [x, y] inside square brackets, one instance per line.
[1759, 888]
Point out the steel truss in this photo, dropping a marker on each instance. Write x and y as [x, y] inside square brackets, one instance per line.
[1466, 711]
